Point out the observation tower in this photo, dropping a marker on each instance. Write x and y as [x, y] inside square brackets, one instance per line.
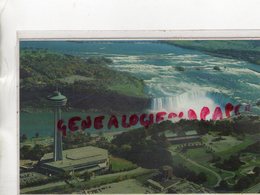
[57, 101]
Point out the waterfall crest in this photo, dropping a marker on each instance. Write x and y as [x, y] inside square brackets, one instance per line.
[195, 100]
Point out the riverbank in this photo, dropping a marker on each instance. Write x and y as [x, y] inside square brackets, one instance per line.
[241, 50]
[89, 84]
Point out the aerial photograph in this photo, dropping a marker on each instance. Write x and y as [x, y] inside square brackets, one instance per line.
[139, 116]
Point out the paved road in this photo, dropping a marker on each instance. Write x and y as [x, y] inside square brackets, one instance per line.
[61, 183]
[203, 167]
[232, 174]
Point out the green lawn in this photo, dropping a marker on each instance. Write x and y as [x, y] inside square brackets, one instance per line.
[198, 159]
[212, 179]
[120, 164]
[201, 158]
[179, 159]
[130, 89]
[199, 155]
[229, 145]
[235, 148]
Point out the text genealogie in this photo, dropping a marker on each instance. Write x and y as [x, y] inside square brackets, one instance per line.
[78, 123]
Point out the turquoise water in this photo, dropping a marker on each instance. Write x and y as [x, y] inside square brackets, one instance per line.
[154, 62]
[43, 122]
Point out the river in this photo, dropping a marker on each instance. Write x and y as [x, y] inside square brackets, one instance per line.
[170, 89]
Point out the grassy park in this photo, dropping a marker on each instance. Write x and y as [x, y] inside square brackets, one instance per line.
[120, 164]
[201, 159]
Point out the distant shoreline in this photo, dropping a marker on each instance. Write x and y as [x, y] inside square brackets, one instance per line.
[249, 55]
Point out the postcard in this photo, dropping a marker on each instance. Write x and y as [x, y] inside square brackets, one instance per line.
[139, 116]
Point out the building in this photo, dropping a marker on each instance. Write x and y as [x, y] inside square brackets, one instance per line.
[186, 137]
[88, 158]
[167, 172]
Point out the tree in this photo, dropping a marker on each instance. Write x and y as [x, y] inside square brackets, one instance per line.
[126, 148]
[243, 183]
[25, 152]
[256, 170]
[86, 175]
[23, 138]
[201, 177]
[37, 152]
[223, 186]
[36, 134]
[101, 133]
[66, 175]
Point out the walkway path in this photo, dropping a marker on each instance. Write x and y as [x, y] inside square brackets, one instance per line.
[203, 167]
[253, 189]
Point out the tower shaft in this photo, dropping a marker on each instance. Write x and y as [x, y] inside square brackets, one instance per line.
[57, 155]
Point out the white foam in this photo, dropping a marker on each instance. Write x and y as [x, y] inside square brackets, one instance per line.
[257, 86]
[195, 100]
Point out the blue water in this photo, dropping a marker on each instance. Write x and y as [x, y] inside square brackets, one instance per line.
[155, 63]
[105, 47]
